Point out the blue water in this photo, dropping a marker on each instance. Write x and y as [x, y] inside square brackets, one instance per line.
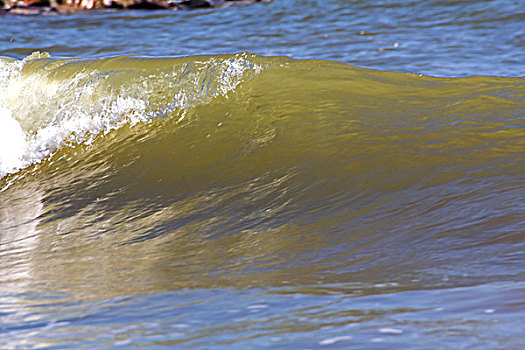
[442, 38]
[266, 318]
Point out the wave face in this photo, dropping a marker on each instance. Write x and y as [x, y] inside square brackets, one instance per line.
[48, 103]
[151, 174]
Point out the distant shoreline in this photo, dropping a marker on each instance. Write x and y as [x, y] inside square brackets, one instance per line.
[50, 7]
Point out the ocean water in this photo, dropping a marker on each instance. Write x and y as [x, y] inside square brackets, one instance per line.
[286, 175]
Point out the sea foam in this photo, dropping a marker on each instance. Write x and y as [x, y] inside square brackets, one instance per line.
[47, 103]
[12, 137]
[12, 143]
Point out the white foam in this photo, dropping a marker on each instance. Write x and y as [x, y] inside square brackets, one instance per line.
[39, 114]
[12, 143]
[12, 137]
[388, 330]
[330, 341]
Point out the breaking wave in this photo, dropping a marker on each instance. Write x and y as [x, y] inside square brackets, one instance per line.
[259, 171]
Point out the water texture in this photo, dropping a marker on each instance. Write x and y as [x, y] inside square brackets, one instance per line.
[247, 200]
[433, 37]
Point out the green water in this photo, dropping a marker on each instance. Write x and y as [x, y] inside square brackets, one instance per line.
[239, 201]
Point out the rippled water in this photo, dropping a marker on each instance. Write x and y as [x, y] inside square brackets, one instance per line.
[436, 37]
[245, 200]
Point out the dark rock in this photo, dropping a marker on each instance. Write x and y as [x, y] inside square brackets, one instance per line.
[6, 4]
[149, 5]
[38, 3]
[32, 7]
[191, 4]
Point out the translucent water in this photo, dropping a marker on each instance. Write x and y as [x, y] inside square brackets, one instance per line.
[244, 200]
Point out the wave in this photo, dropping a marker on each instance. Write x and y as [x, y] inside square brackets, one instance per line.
[48, 103]
[284, 168]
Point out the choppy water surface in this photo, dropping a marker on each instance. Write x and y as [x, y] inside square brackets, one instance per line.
[243, 200]
[434, 37]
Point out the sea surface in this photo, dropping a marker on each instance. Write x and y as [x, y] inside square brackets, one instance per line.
[286, 175]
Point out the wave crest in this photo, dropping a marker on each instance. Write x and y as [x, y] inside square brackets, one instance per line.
[58, 102]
